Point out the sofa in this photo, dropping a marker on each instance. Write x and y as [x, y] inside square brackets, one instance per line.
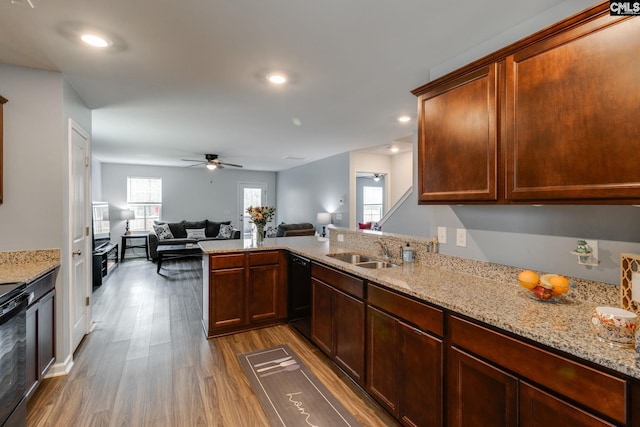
[300, 229]
[183, 232]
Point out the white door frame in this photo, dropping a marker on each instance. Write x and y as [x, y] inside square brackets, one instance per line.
[75, 128]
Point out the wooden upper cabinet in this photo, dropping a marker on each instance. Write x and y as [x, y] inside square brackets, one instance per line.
[3, 101]
[551, 118]
[458, 139]
[572, 123]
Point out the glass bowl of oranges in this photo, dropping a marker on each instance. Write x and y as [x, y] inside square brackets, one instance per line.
[546, 288]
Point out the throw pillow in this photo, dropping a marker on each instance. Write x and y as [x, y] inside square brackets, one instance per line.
[195, 233]
[226, 231]
[162, 231]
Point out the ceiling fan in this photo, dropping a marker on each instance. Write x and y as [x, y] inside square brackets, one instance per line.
[211, 161]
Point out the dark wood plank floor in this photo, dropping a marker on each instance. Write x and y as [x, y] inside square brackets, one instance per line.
[147, 361]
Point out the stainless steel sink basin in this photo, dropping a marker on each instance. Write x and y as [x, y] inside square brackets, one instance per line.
[376, 264]
[351, 257]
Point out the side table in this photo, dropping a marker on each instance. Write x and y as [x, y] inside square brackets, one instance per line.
[126, 244]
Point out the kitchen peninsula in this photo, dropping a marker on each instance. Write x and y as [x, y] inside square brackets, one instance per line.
[484, 322]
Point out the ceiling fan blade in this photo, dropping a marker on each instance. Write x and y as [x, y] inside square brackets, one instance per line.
[230, 164]
[192, 160]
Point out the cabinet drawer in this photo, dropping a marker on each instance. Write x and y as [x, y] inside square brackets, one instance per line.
[227, 261]
[41, 286]
[423, 316]
[597, 390]
[339, 280]
[263, 258]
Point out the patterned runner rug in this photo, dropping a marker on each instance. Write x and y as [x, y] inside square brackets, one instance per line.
[289, 393]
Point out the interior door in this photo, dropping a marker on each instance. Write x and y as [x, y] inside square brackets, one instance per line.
[249, 194]
[79, 209]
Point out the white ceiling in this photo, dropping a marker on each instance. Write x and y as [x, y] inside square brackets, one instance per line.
[186, 77]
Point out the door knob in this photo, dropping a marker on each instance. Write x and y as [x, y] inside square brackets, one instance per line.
[76, 253]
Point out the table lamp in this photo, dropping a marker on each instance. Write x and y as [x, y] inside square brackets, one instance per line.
[323, 219]
[127, 214]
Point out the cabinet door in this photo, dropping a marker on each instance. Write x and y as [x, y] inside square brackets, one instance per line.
[348, 326]
[480, 394]
[321, 316]
[32, 347]
[572, 114]
[227, 297]
[540, 409]
[382, 359]
[420, 391]
[263, 291]
[46, 333]
[457, 142]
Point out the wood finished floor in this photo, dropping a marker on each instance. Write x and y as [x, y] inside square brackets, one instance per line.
[148, 363]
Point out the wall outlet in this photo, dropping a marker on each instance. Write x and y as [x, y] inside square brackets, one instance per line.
[442, 235]
[340, 237]
[461, 237]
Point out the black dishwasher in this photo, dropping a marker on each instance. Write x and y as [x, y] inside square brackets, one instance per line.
[300, 294]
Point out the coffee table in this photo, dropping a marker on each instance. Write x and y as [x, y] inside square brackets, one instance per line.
[166, 252]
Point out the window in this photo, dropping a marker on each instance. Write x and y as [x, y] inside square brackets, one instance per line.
[144, 197]
[371, 204]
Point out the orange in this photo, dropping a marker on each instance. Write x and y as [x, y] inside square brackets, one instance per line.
[528, 279]
[560, 285]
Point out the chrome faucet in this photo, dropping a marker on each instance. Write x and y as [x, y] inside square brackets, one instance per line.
[386, 252]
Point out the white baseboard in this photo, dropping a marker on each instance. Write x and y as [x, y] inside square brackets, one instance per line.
[58, 369]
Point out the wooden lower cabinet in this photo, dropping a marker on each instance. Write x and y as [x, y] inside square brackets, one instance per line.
[40, 328]
[490, 382]
[245, 290]
[404, 369]
[338, 320]
[480, 394]
[321, 323]
[541, 409]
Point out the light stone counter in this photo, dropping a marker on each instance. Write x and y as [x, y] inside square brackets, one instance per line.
[26, 266]
[497, 300]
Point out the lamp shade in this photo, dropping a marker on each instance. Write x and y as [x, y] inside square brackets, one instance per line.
[127, 214]
[323, 218]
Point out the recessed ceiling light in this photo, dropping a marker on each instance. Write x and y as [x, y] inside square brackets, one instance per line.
[393, 148]
[404, 119]
[95, 40]
[277, 78]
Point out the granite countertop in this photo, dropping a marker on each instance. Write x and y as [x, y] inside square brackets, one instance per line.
[27, 266]
[503, 304]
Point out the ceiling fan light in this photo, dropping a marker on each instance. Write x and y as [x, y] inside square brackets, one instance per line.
[212, 166]
[376, 177]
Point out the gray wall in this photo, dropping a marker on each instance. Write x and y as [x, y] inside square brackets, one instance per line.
[306, 190]
[187, 193]
[31, 216]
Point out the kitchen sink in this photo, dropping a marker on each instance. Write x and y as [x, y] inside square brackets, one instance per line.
[351, 258]
[376, 264]
[362, 260]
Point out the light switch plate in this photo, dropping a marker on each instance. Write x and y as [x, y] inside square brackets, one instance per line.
[461, 237]
[442, 235]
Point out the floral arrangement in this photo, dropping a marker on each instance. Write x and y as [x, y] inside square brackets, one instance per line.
[261, 215]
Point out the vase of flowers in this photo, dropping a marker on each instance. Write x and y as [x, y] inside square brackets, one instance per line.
[260, 216]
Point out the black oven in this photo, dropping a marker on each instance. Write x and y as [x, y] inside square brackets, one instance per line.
[13, 355]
